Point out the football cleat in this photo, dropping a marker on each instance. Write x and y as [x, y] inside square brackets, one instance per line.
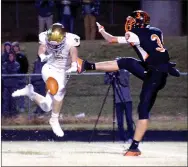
[54, 122]
[133, 152]
[27, 91]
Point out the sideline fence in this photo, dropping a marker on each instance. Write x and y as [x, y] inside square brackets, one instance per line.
[86, 73]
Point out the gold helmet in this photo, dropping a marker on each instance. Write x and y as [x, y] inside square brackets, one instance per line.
[56, 37]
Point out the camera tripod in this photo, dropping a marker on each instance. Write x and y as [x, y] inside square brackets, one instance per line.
[102, 106]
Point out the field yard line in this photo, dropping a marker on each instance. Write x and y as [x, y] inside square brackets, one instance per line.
[154, 152]
[175, 154]
[102, 146]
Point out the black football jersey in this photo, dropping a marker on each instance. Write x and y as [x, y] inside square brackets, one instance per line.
[151, 41]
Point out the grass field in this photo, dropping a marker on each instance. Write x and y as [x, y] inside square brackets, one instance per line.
[92, 154]
[87, 123]
[170, 108]
[86, 93]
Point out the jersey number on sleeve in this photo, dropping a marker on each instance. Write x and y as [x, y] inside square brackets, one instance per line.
[154, 37]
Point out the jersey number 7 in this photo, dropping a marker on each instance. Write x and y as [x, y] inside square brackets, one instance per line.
[155, 37]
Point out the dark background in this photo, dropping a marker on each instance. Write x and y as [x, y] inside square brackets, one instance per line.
[20, 21]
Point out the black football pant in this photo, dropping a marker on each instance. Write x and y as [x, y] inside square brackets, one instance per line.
[153, 81]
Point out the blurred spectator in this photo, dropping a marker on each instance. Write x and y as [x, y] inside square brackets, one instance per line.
[24, 66]
[6, 48]
[45, 13]
[68, 14]
[20, 58]
[90, 10]
[38, 83]
[11, 66]
[2, 48]
[6, 51]
[123, 102]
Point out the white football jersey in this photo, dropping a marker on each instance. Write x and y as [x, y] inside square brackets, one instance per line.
[60, 59]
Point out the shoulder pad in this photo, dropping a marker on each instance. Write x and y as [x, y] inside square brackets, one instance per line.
[73, 39]
[42, 38]
[132, 38]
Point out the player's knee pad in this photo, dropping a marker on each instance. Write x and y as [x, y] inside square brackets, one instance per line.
[143, 112]
[46, 104]
[52, 85]
[60, 94]
[46, 72]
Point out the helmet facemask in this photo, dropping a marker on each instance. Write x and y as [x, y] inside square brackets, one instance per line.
[130, 22]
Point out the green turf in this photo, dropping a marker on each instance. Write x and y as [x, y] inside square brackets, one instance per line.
[154, 125]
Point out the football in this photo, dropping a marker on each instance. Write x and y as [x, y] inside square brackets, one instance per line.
[52, 86]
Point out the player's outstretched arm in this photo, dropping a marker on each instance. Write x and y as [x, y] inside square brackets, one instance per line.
[108, 37]
[42, 49]
[74, 56]
[41, 52]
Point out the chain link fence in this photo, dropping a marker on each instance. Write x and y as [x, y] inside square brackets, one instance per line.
[86, 92]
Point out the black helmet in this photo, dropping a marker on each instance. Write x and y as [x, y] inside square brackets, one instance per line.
[138, 19]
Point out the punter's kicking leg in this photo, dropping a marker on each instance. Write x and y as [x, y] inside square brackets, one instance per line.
[45, 102]
[49, 102]
[130, 64]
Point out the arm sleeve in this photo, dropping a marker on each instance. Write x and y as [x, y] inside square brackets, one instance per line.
[132, 38]
[121, 40]
[129, 37]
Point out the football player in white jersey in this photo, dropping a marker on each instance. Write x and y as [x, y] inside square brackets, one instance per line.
[59, 49]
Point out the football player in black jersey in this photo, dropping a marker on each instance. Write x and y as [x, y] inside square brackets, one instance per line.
[153, 66]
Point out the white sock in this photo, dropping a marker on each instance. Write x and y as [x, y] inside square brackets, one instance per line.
[54, 115]
[48, 99]
[32, 96]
